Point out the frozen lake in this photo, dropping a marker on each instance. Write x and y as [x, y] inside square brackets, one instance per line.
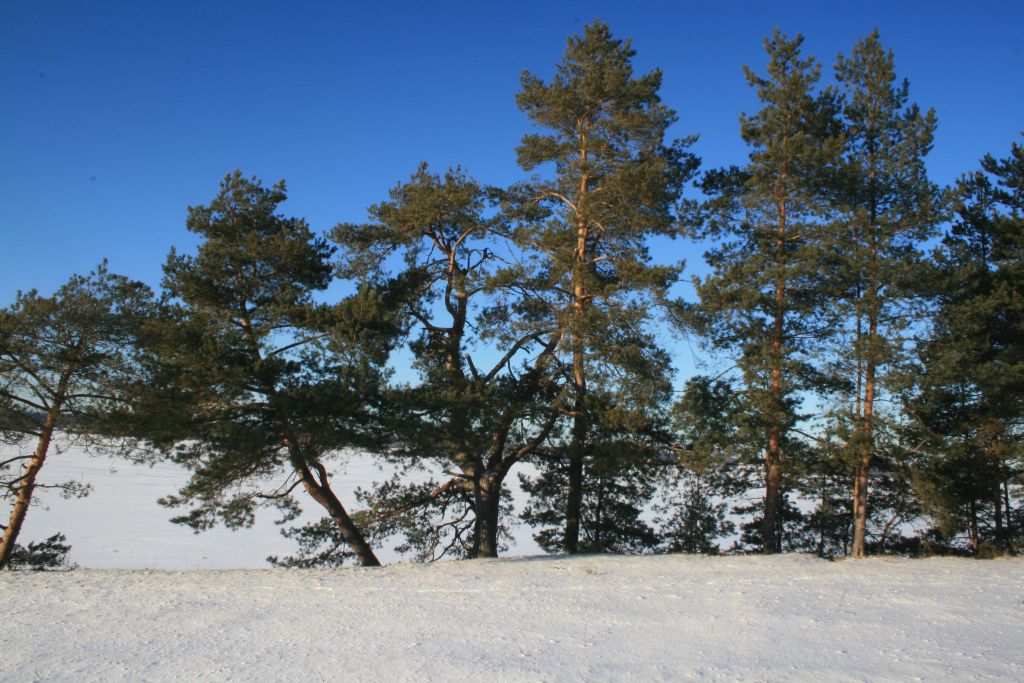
[119, 525]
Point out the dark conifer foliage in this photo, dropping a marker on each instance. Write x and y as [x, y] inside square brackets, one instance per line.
[50, 554]
[970, 398]
[889, 209]
[692, 519]
[621, 480]
[67, 363]
[772, 221]
[473, 419]
[257, 382]
[528, 324]
[712, 442]
[608, 181]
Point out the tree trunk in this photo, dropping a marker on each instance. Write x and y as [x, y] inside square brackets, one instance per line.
[998, 506]
[577, 449]
[27, 485]
[322, 493]
[860, 506]
[975, 541]
[821, 520]
[578, 445]
[860, 481]
[574, 497]
[320, 490]
[773, 453]
[487, 500]
[23, 495]
[771, 543]
[1009, 515]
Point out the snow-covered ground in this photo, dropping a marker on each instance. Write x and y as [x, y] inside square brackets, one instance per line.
[540, 618]
[587, 618]
[119, 525]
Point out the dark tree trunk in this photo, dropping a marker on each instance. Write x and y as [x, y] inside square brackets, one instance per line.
[321, 492]
[574, 494]
[1000, 531]
[23, 494]
[26, 486]
[574, 497]
[773, 454]
[770, 537]
[318, 488]
[860, 482]
[487, 500]
[1009, 514]
[860, 506]
[973, 530]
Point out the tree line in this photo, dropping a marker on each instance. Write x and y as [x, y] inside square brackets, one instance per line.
[866, 328]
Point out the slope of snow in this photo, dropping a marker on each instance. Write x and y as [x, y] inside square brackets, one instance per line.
[588, 618]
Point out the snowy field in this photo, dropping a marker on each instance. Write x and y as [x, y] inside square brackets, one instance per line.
[588, 618]
[120, 526]
[538, 619]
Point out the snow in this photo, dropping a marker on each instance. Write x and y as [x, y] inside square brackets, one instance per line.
[586, 618]
[119, 525]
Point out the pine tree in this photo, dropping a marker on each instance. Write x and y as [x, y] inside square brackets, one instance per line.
[693, 520]
[772, 220]
[67, 362]
[711, 443]
[970, 398]
[50, 554]
[614, 181]
[890, 208]
[621, 478]
[825, 480]
[473, 420]
[255, 381]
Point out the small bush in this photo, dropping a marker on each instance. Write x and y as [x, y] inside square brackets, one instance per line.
[48, 555]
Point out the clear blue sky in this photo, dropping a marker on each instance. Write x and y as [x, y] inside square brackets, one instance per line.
[116, 116]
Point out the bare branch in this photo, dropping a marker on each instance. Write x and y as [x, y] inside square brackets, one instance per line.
[19, 399]
[558, 195]
[5, 463]
[426, 323]
[512, 352]
[289, 347]
[433, 495]
[279, 494]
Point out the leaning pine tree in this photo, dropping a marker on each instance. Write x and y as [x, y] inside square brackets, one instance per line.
[771, 221]
[67, 362]
[613, 183]
[253, 384]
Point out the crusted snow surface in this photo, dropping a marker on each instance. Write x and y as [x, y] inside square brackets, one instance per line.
[585, 618]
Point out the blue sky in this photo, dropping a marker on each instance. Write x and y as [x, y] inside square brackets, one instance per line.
[117, 116]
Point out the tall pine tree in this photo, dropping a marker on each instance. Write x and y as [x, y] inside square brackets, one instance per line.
[611, 184]
[771, 221]
[890, 208]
